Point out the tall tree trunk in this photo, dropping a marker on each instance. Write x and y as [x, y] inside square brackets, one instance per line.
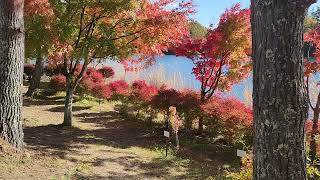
[188, 120]
[314, 132]
[279, 97]
[200, 128]
[36, 77]
[11, 71]
[68, 103]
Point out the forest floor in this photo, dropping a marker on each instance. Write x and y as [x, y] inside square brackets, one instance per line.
[103, 145]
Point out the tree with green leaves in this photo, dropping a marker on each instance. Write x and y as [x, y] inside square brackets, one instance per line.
[197, 30]
[38, 16]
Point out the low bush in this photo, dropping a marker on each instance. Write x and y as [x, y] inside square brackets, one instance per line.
[119, 88]
[165, 98]
[58, 82]
[102, 91]
[235, 120]
[189, 107]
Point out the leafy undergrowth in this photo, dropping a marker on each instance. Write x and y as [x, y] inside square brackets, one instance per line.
[105, 145]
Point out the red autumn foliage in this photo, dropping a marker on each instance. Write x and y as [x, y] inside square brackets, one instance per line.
[102, 91]
[313, 37]
[165, 98]
[119, 87]
[92, 83]
[221, 59]
[58, 81]
[93, 75]
[37, 7]
[140, 90]
[106, 71]
[189, 100]
[235, 120]
[230, 110]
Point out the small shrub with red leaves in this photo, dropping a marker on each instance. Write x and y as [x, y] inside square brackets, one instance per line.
[58, 82]
[102, 91]
[141, 91]
[119, 87]
[165, 98]
[234, 118]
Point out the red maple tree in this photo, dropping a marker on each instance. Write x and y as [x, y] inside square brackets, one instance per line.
[221, 59]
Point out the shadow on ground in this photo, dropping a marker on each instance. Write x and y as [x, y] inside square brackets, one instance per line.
[112, 130]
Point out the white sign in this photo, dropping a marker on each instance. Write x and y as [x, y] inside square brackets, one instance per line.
[241, 153]
[166, 134]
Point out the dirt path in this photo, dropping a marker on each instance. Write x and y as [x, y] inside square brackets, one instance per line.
[101, 145]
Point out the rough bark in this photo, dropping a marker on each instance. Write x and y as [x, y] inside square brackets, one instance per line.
[279, 97]
[11, 70]
[314, 132]
[68, 104]
[36, 77]
[201, 119]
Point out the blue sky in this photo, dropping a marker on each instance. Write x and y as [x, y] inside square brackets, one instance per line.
[209, 11]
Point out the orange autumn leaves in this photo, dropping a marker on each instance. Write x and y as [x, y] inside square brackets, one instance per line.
[95, 29]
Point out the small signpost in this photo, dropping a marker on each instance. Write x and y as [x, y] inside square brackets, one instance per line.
[166, 134]
[241, 153]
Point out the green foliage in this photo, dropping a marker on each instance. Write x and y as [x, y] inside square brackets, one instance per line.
[197, 30]
[316, 14]
[313, 172]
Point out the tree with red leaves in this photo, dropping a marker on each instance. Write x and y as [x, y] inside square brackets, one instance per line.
[221, 59]
[312, 67]
[85, 31]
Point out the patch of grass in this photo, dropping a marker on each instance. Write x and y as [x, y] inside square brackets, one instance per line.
[79, 172]
[95, 104]
[30, 122]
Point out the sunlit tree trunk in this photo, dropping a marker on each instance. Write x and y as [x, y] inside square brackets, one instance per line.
[11, 70]
[68, 103]
[279, 97]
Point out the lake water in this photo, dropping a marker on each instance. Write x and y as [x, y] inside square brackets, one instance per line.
[176, 72]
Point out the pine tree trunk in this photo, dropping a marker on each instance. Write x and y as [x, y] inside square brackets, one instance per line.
[68, 104]
[11, 71]
[279, 98]
[314, 132]
[36, 77]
